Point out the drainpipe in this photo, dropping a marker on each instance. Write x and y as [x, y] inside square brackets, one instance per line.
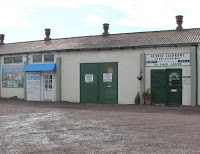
[197, 88]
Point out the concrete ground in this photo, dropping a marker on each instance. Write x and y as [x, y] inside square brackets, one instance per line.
[46, 127]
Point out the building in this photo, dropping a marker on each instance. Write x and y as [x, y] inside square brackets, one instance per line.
[108, 68]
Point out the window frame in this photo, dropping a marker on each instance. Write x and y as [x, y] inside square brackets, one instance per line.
[37, 61]
[46, 61]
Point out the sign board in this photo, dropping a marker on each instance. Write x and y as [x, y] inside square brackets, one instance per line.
[12, 77]
[88, 78]
[186, 80]
[33, 86]
[107, 77]
[168, 59]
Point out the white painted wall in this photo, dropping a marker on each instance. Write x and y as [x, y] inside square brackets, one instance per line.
[128, 70]
[186, 70]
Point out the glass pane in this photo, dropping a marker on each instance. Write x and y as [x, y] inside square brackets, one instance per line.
[49, 58]
[37, 58]
[46, 77]
[7, 60]
[50, 86]
[17, 59]
[46, 82]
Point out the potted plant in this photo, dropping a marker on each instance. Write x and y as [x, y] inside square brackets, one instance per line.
[137, 99]
[146, 95]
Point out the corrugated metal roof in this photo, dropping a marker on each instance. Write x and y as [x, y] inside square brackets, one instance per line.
[124, 40]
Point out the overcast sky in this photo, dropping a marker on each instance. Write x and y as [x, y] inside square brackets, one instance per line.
[25, 20]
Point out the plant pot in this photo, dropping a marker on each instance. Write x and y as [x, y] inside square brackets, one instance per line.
[147, 102]
[137, 102]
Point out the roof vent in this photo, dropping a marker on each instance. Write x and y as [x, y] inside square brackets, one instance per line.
[179, 21]
[2, 39]
[47, 33]
[105, 27]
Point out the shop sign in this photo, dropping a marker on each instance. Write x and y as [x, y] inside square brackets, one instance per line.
[107, 77]
[186, 80]
[33, 86]
[168, 59]
[88, 78]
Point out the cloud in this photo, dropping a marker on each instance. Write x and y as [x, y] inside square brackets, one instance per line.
[15, 15]
[133, 13]
[94, 20]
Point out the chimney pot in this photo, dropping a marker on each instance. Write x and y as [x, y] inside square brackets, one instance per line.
[179, 21]
[2, 36]
[47, 33]
[106, 28]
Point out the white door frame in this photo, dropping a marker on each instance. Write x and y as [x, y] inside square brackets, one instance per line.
[53, 87]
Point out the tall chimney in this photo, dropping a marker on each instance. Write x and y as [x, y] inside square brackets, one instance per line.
[105, 27]
[47, 33]
[2, 36]
[179, 21]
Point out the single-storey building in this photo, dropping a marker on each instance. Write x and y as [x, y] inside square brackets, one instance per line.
[107, 68]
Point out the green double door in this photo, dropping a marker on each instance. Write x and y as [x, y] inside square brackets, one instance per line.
[99, 83]
[166, 87]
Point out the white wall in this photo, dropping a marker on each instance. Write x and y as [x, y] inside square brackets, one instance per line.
[186, 70]
[128, 70]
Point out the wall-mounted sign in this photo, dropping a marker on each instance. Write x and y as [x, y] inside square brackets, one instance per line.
[12, 77]
[88, 78]
[33, 86]
[168, 59]
[107, 77]
[186, 80]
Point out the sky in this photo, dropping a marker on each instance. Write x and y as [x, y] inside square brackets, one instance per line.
[25, 20]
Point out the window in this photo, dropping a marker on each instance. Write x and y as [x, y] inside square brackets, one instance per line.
[49, 58]
[7, 60]
[17, 59]
[48, 82]
[37, 58]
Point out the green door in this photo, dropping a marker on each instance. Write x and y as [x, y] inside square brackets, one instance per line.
[174, 87]
[158, 86]
[108, 83]
[99, 83]
[89, 83]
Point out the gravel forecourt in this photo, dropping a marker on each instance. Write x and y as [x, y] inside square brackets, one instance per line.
[64, 127]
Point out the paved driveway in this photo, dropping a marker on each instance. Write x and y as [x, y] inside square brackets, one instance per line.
[46, 127]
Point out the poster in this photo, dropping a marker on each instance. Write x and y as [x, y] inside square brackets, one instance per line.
[186, 80]
[88, 78]
[12, 77]
[107, 77]
[33, 86]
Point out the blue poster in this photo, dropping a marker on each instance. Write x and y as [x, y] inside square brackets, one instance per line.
[12, 77]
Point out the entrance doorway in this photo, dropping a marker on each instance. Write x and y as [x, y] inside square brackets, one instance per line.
[99, 83]
[166, 87]
[48, 86]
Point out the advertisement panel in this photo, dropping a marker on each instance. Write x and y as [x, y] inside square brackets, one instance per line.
[33, 86]
[167, 59]
[12, 77]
